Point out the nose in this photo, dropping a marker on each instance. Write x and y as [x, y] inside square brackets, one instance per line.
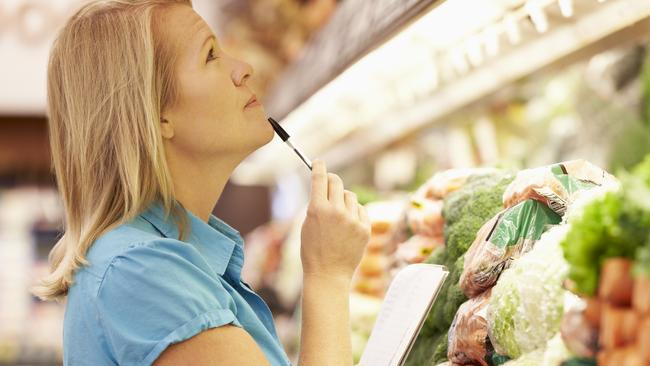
[241, 72]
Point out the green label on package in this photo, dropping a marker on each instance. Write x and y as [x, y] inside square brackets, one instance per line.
[527, 220]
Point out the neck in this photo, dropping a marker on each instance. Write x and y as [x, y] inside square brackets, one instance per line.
[198, 185]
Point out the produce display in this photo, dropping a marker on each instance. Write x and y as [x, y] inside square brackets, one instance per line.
[549, 266]
[550, 279]
[502, 239]
[371, 276]
[468, 337]
[557, 185]
[507, 298]
[608, 249]
[526, 306]
[363, 313]
[464, 212]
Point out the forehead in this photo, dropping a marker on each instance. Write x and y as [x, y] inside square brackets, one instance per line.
[182, 26]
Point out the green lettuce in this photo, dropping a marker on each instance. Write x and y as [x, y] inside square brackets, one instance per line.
[527, 303]
[606, 223]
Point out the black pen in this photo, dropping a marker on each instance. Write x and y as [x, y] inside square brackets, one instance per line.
[285, 137]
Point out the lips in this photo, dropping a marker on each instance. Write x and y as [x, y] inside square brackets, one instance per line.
[252, 100]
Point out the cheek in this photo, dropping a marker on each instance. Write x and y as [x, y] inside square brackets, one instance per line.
[212, 115]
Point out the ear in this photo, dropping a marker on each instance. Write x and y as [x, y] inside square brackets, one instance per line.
[166, 128]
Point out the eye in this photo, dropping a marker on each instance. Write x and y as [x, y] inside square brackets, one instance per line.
[211, 55]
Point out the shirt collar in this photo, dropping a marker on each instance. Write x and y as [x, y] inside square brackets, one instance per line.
[217, 241]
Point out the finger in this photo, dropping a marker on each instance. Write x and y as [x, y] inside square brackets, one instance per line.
[351, 204]
[335, 190]
[319, 181]
[363, 215]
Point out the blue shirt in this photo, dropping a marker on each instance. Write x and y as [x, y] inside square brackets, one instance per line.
[146, 290]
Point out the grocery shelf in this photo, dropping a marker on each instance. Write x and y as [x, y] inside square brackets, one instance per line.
[342, 126]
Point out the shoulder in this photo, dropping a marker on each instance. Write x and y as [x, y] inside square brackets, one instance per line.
[158, 292]
[118, 241]
[164, 270]
[136, 253]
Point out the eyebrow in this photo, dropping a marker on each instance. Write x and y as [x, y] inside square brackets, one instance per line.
[210, 37]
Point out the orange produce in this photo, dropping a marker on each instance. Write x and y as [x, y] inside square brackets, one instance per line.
[593, 312]
[643, 339]
[372, 264]
[616, 282]
[641, 295]
[618, 327]
[625, 356]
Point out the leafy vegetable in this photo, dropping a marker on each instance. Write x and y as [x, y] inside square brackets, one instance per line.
[527, 302]
[534, 358]
[609, 223]
[465, 211]
[556, 352]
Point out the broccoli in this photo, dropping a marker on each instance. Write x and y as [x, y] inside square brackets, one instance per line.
[465, 211]
[440, 350]
[438, 256]
[428, 351]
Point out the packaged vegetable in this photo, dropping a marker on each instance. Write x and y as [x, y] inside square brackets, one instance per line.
[556, 352]
[425, 216]
[580, 337]
[527, 303]
[506, 237]
[468, 336]
[372, 264]
[555, 185]
[417, 248]
[465, 211]
[372, 286]
[534, 358]
[553, 353]
[443, 183]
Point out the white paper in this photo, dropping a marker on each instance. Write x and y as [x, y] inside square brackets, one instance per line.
[406, 304]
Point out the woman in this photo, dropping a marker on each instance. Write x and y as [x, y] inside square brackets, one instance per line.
[148, 118]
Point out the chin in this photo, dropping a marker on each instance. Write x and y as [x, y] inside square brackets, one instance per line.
[263, 138]
[267, 134]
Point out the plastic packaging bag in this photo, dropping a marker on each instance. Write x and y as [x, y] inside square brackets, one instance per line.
[556, 185]
[528, 301]
[417, 249]
[468, 336]
[506, 237]
[425, 217]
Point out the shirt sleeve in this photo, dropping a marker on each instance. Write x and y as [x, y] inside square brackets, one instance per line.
[158, 293]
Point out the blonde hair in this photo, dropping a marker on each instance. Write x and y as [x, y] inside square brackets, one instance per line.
[110, 73]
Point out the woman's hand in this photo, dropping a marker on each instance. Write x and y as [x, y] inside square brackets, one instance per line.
[336, 229]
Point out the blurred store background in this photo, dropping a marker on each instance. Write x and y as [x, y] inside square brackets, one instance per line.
[386, 92]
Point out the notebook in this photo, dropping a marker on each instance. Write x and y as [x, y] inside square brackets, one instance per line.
[406, 305]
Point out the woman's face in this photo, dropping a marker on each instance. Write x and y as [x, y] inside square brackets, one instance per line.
[210, 117]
